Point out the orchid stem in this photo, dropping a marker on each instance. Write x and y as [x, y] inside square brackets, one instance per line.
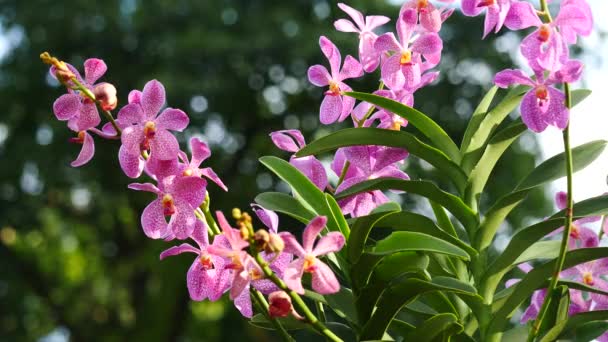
[297, 301]
[91, 96]
[258, 297]
[567, 227]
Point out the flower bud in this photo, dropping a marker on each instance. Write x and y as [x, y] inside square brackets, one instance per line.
[275, 244]
[105, 93]
[279, 304]
[236, 213]
[261, 238]
[244, 233]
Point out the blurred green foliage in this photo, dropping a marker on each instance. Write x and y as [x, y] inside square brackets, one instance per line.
[74, 259]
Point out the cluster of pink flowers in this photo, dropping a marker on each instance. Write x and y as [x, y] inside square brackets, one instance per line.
[406, 61]
[546, 51]
[592, 273]
[178, 212]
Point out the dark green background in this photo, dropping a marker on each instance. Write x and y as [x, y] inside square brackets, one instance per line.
[85, 268]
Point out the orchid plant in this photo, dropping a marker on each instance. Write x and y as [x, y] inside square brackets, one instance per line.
[366, 268]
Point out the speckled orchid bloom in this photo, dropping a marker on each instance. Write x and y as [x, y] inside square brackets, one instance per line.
[323, 279]
[335, 105]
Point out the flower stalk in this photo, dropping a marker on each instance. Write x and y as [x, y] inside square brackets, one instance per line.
[567, 226]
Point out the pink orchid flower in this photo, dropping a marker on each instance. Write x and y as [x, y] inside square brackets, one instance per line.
[429, 16]
[292, 140]
[547, 47]
[496, 12]
[364, 26]
[335, 106]
[404, 68]
[245, 270]
[591, 273]
[148, 130]
[207, 277]
[543, 105]
[178, 197]
[324, 280]
[580, 235]
[78, 110]
[367, 162]
[578, 304]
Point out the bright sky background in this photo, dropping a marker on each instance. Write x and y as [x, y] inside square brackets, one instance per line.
[589, 120]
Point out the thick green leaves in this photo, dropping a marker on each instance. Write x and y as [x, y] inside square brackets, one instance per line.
[438, 326]
[490, 122]
[336, 214]
[283, 203]
[496, 147]
[387, 267]
[555, 167]
[477, 117]
[398, 295]
[540, 250]
[304, 190]
[411, 241]
[579, 95]
[535, 278]
[385, 137]
[412, 222]
[496, 216]
[423, 123]
[361, 229]
[590, 207]
[577, 321]
[424, 188]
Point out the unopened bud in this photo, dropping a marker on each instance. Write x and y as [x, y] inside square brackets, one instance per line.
[261, 238]
[105, 93]
[244, 233]
[279, 304]
[236, 213]
[275, 244]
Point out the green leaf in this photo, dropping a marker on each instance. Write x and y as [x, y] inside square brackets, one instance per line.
[478, 115]
[386, 267]
[526, 237]
[337, 215]
[576, 321]
[555, 167]
[495, 216]
[540, 250]
[343, 304]
[557, 310]
[482, 134]
[284, 203]
[577, 96]
[395, 297]
[424, 188]
[593, 206]
[391, 138]
[423, 123]
[533, 280]
[361, 228]
[412, 222]
[304, 190]
[443, 220]
[412, 241]
[495, 149]
[441, 325]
